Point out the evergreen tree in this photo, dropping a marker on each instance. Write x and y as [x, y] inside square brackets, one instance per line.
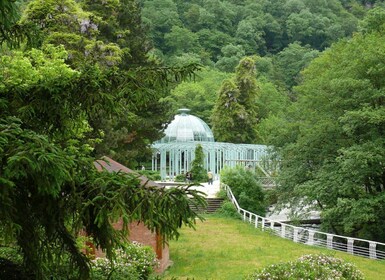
[51, 99]
[199, 174]
[235, 113]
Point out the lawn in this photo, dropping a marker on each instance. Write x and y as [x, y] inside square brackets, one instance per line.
[223, 248]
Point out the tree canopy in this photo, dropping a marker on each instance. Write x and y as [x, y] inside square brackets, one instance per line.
[52, 99]
[332, 139]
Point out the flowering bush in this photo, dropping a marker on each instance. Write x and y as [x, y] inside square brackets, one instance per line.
[132, 263]
[310, 267]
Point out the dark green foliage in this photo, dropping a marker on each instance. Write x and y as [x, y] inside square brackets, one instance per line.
[180, 178]
[12, 33]
[246, 188]
[199, 174]
[230, 57]
[310, 267]
[291, 60]
[235, 114]
[45, 184]
[257, 27]
[199, 95]
[152, 175]
[332, 139]
[51, 102]
[11, 264]
[228, 210]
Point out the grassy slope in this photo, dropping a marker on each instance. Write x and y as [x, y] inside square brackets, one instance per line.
[223, 248]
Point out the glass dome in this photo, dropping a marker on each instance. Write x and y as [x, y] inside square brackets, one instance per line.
[187, 128]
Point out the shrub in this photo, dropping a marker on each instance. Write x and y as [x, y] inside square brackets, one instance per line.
[246, 188]
[199, 174]
[180, 178]
[132, 263]
[320, 267]
[222, 194]
[228, 210]
[152, 175]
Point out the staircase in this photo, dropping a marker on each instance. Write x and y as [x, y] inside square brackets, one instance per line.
[213, 204]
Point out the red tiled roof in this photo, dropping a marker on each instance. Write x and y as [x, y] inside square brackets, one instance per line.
[110, 165]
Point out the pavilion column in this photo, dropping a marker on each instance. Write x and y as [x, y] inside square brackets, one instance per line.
[163, 156]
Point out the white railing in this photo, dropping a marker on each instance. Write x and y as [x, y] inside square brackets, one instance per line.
[355, 246]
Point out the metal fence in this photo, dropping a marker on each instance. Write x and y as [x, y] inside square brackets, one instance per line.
[355, 246]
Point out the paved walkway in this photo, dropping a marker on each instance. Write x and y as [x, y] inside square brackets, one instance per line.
[209, 190]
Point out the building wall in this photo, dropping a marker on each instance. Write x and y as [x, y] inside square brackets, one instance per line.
[140, 233]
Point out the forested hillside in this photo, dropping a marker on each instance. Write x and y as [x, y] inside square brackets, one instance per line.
[216, 32]
[284, 35]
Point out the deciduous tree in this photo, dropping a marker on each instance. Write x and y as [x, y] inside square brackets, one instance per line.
[332, 140]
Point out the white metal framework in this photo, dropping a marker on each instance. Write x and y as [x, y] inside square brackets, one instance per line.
[175, 158]
[174, 153]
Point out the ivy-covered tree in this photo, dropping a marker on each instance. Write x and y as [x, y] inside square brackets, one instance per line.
[235, 113]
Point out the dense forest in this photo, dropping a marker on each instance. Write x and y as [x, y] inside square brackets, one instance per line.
[283, 36]
[82, 79]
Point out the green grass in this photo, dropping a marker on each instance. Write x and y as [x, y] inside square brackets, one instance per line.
[223, 248]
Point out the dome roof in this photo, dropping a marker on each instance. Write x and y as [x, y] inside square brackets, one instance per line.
[187, 128]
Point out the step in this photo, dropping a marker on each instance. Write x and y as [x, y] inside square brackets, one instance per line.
[213, 204]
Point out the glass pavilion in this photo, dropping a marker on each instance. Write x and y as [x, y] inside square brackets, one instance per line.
[174, 153]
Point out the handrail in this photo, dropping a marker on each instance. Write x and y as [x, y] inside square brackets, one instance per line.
[355, 246]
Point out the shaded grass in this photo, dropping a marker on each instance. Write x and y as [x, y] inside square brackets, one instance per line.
[223, 248]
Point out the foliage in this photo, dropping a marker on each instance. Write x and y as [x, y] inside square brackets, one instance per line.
[252, 27]
[310, 267]
[332, 139]
[272, 101]
[235, 114]
[180, 178]
[245, 188]
[374, 21]
[199, 95]
[231, 55]
[133, 262]
[271, 196]
[199, 173]
[291, 61]
[52, 99]
[12, 33]
[228, 210]
[152, 175]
